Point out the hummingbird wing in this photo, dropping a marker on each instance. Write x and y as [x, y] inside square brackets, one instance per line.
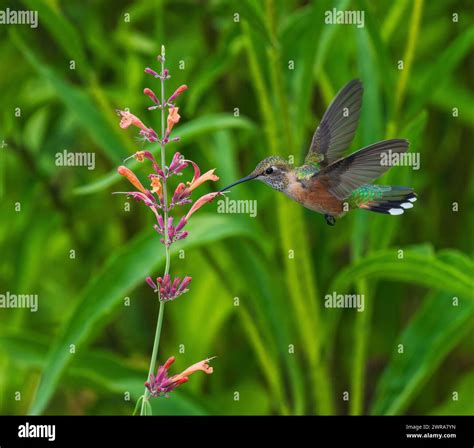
[338, 125]
[360, 168]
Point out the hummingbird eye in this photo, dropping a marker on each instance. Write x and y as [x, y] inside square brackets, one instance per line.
[269, 170]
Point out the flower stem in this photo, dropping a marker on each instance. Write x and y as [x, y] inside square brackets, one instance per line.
[154, 354]
[159, 322]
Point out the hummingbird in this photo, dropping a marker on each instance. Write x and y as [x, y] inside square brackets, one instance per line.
[329, 183]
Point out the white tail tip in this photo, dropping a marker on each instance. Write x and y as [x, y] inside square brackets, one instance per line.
[396, 211]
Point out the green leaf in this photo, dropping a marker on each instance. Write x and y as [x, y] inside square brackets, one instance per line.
[102, 369]
[384, 59]
[216, 67]
[370, 122]
[35, 129]
[393, 18]
[122, 272]
[433, 332]
[442, 68]
[453, 95]
[464, 405]
[454, 257]
[80, 104]
[251, 11]
[253, 400]
[300, 36]
[415, 267]
[265, 321]
[62, 30]
[187, 132]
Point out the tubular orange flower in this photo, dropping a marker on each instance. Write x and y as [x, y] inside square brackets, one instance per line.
[177, 92]
[148, 92]
[156, 186]
[197, 171]
[173, 118]
[130, 119]
[124, 171]
[139, 156]
[200, 202]
[201, 365]
[201, 179]
[161, 385]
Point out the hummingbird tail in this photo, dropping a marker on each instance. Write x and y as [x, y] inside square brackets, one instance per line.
[390, 200]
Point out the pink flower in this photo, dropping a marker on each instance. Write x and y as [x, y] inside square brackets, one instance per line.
[161, 384]
[169, 290]
[140, 156]
[201, 179]
[149, 134]
[173, 118]
[156, 186]
[152, 72]
[181, 196]
[148, 92]
[130, 119]
[201, 365]
[177, 92]
[147, 199]
[142, 194]
[197, 178]
[151, 284]
[177, 164]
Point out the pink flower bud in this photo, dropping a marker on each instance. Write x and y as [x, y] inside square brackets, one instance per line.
[177, 92]
[159, 218]
[148, 92]
[151, 72]
[181, 224]
[175, 162]
[176, 282]
[151, 283]
[184, 284]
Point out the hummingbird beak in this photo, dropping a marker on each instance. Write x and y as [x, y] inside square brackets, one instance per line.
[244, 179]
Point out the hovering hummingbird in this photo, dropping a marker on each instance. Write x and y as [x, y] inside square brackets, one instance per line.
[329, 183]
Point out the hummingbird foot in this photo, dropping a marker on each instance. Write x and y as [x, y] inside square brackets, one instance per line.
[330, 220]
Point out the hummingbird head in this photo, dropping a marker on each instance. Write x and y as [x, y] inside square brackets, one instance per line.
[273, 171]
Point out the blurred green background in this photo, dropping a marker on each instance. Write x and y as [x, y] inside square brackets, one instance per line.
[260, 75]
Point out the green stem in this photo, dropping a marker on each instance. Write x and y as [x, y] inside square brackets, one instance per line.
[154, 354]
[138, 404]
[159, 322]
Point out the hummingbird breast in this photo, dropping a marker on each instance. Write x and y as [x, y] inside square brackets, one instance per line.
[315, 196]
